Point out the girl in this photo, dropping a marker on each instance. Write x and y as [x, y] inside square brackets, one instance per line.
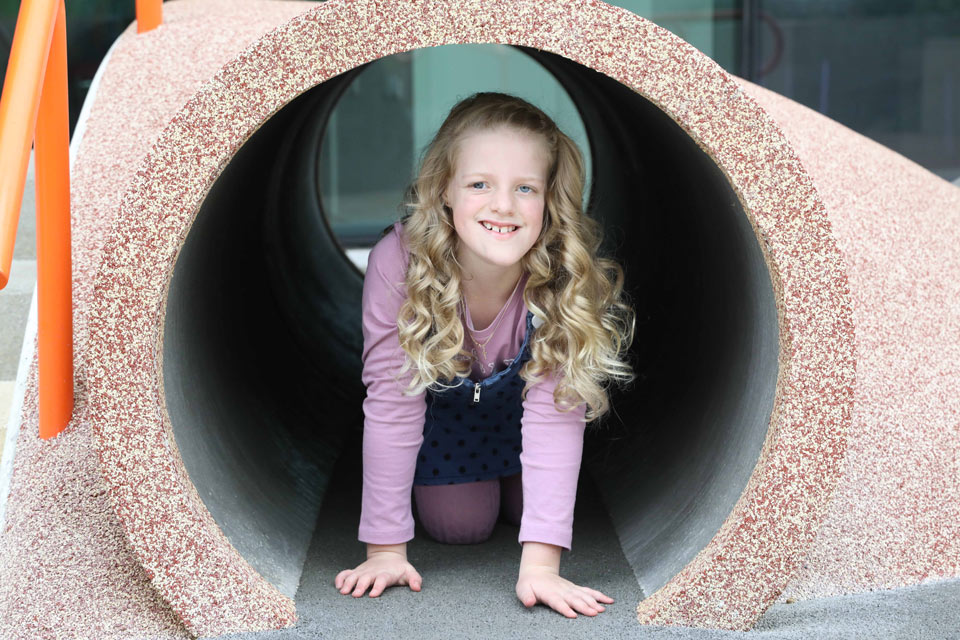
[487, 303]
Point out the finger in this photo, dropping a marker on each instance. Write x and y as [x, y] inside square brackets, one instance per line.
[362, 585]
[590, 600]
[526, 595]
[598, 596]
[348, 582]
[379, 585]
[560, 605]
[338, 581]
[580, 604]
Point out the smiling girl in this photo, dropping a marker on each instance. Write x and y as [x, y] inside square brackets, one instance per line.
[491, 330]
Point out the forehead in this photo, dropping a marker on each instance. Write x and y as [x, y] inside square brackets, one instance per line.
[511, 146]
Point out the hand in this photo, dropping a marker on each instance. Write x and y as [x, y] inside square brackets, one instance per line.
[382, 569]
[542, 584]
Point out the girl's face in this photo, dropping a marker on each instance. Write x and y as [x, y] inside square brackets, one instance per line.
[498, 181]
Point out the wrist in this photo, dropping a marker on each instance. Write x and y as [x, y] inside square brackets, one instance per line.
[540, 556]
[374, 549]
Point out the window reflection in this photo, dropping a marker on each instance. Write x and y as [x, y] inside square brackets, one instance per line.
[887, 69]
[385, 119]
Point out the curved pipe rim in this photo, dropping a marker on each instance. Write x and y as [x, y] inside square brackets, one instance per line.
[763, 539]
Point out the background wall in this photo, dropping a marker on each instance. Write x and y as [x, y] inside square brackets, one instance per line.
[889, 69]
[885, 68]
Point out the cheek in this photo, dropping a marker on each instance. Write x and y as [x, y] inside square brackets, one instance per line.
[536, 218]
[464, 225]
[535, 226]
[458, 219]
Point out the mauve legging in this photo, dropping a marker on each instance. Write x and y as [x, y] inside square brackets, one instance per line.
[466, 513]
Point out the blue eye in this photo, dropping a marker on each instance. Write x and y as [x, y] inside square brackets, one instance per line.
[474, 184]
[523, 186]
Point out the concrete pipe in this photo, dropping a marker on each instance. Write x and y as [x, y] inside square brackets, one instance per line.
[689, 435]
[220, 267]
[180, 497]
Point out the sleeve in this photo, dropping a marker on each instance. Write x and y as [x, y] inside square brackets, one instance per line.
[392, 422]
[552, 447]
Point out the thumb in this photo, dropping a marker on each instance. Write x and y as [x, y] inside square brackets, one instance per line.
[526, 595]
[413, 579]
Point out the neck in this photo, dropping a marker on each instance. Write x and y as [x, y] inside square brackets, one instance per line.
[490, 281]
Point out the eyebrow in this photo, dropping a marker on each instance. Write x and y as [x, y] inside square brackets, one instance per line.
[487, 175]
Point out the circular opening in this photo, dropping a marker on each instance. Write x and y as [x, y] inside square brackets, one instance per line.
[262, 339]
[386, 116]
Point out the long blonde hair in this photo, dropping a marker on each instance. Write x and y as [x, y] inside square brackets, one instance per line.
[587, 326]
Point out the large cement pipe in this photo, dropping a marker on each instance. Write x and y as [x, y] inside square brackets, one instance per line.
[856, 486]
[224, 331]
[675, 460]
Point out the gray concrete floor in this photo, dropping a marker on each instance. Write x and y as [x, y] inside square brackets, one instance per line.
[15, 300]
[468, 590]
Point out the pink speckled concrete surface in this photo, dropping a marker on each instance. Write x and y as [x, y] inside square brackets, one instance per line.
[861, 269]
[895, 517]
[66, 566]
[732, 581]
[189, 561]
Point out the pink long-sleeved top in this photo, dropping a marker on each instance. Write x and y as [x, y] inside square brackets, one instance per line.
[552, 441]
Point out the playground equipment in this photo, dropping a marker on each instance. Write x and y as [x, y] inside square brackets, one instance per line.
[34, 106]
[776, 339]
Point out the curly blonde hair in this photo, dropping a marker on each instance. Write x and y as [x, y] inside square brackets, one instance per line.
[587, 326]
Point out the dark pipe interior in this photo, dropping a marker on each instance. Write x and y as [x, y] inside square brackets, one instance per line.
[262, 340]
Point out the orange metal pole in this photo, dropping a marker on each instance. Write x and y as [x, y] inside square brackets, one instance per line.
[54, 277]
[18, 115]
[149, 14]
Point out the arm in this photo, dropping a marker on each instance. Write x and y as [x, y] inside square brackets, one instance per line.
[540, 555]
[393, 432]
[551, 455]
[393, 422]
[552, 450]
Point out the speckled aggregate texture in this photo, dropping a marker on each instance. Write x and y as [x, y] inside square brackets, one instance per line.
[67, 569]
[743, 568]
[885, 395]
[895, 517]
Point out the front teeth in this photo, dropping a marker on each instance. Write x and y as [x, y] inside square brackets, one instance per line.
[497, 229]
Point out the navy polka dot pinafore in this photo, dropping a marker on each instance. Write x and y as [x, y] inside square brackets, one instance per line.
[471, 432]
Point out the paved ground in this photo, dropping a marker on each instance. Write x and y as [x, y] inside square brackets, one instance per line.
[468, 591]
[15, 300]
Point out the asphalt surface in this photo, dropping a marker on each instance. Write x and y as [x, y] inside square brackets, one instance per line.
[468, 590]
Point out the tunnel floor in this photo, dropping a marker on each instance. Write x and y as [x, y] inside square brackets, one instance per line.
[465, 587]
[468, 590]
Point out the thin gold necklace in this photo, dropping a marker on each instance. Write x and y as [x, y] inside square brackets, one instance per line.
[483, 345]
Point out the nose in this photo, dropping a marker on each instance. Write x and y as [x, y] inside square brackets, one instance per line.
[502, 202]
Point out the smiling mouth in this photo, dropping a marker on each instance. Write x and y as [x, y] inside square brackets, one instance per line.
[505, 229]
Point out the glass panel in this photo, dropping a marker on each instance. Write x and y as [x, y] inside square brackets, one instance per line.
[391, 111]
[92, 26]
[889, 69]
[365, 154]
[712, 26]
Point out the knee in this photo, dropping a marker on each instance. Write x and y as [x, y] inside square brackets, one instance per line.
[451, 531]
[450, 518]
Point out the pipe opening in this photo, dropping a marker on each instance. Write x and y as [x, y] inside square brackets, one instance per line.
[262, 339]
